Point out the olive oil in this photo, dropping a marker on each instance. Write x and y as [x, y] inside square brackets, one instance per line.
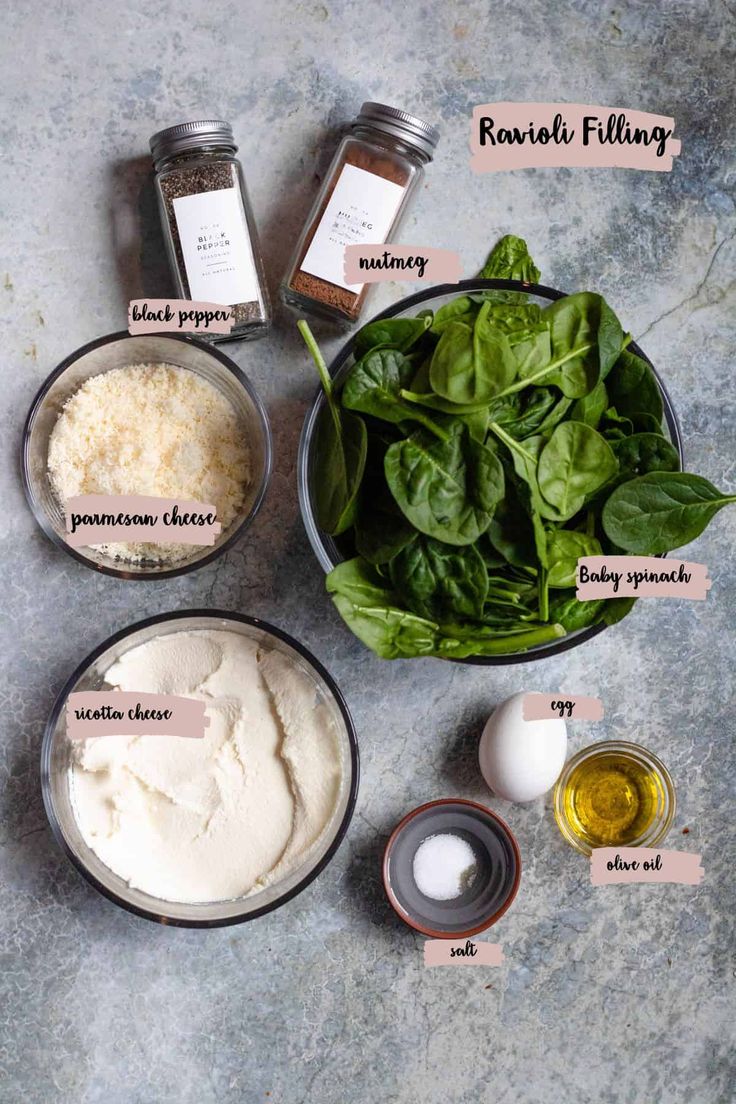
[612, 799]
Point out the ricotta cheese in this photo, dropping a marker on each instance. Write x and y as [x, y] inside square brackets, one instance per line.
[195, 820]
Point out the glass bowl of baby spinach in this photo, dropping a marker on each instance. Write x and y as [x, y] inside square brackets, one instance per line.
[460, 465]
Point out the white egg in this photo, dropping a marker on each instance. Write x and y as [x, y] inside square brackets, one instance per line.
[519, 759]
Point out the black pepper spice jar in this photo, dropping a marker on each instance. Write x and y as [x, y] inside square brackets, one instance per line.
[210, 232]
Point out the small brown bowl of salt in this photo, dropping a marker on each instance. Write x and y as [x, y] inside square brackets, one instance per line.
[451, 868]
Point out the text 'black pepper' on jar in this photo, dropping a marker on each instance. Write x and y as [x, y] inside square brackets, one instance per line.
[210, 232]
[373, 175]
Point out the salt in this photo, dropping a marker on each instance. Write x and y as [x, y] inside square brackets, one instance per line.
[444, 866]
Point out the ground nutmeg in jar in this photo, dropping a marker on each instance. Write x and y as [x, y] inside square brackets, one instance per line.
[366, 192]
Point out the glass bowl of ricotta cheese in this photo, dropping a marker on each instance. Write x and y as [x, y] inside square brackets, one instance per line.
[214, 830]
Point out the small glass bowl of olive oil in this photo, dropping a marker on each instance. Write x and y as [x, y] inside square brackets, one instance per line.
[614, 794]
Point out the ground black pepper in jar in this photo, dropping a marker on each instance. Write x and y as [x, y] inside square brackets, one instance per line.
[210, 232]
[366, 192]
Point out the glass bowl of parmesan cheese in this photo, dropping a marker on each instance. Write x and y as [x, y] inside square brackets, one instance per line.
[157, 415]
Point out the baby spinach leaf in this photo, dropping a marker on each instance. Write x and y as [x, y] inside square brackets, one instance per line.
[525, 458]
[516, 318]
[564, 546]
[660, 511]
[536, 410]
[510, 260]
[527, 332]
[591, 407]
[381, 530]
[477, 423]
[399, 333]
[507, 410]
[566, 610]
[342, 458]
[586, 339]
[371, 611]
[463, 309]
[439, 581]
[554, 416]
[360, 582]
[616, 609]
[633, 388]
[446, 489]
[381, 533]
[645, 452]
[374, 385]
[537, 404]
[511, 532]
[341, 442]
[614, 426]
[471, 365]
[645, 423]
[574, 463]
[491, 558]
[389, 631]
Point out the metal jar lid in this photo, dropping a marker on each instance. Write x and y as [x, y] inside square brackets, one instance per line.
[190, 136]
[400, 124]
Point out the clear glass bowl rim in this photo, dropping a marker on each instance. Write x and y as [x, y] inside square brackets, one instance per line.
[169, 573]
[635, 751]
[160, 916]
[338, 366]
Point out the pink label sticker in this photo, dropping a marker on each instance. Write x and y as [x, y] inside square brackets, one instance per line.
[178, 315]
[445, 952]
[546, 707]
[640, 577]
[374, 264]
[560, 135]
[102, 519]
[618, 865]
[91, 713]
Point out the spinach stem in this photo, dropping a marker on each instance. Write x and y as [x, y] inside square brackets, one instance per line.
[432, 426]
[543, 592]
[536, 376]
[511, 443]
[428, 399]
[324, 375]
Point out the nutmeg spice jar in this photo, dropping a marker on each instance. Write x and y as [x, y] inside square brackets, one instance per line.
[208, 224]
[369, 185]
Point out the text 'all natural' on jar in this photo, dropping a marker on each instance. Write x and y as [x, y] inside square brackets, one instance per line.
[369, 185]
[208, 224]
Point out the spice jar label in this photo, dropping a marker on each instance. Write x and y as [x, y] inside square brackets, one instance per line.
[93, 713]
[618, 865]
[469, 952]
[640, 577]
[216, 247]
[361, 210]
[103, 519]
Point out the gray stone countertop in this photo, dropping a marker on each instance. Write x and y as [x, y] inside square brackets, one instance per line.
[620, 995]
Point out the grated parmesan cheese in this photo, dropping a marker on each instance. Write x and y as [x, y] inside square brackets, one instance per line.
[152, 429]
